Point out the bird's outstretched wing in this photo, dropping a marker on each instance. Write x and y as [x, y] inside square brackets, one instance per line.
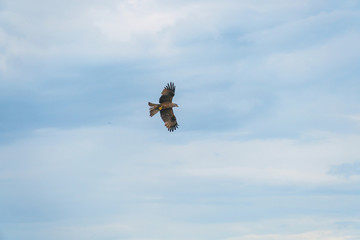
[168, 116]
[168, 93]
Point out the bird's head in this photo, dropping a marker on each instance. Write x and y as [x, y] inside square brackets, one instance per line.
[175, 105]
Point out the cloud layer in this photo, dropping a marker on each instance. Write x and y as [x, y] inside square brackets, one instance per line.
[269, 120]
[95, 183]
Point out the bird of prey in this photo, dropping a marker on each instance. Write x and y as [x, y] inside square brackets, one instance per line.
[165, 107]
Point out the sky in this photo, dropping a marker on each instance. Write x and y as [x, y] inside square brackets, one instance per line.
[269, 115]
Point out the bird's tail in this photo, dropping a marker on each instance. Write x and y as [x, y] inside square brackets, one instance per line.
[154, 108]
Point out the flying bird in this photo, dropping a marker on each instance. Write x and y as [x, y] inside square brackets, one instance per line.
[165, 107]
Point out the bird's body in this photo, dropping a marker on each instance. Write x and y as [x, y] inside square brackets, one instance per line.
[165, 107]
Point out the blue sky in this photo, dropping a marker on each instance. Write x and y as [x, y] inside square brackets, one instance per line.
[269, 136]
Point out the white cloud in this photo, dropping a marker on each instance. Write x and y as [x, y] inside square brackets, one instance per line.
[145, 29]
[276, 161]
[137, 183]
[90, 230]
[352, 117]
[318, 235]
[146, 227]
[127, 20]
[81, 29]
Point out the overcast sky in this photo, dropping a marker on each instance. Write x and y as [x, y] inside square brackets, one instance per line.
[269, 114]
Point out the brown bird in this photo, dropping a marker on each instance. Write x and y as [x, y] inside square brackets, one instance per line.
[165, 107]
